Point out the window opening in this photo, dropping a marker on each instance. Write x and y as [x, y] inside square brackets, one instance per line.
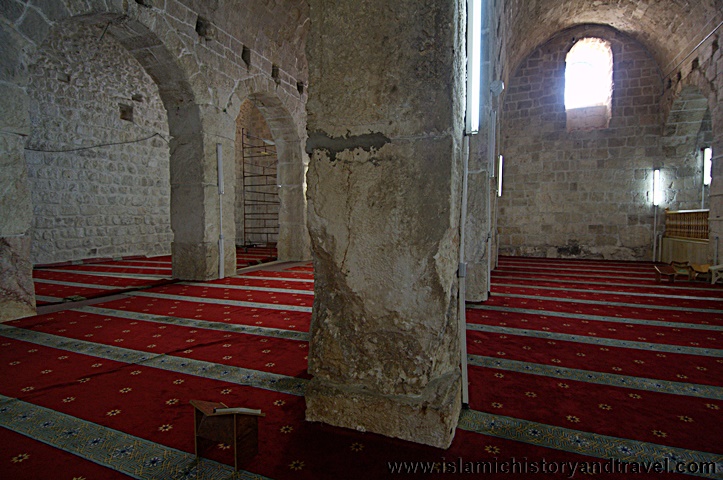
[588, 84]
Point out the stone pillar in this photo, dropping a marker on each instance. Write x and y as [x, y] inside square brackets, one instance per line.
[480, 248]
[17, 294]
[479, 244]
[195, 213]
[715, 219]
[385, 119]
[293, 242]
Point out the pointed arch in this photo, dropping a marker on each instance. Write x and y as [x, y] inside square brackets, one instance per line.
[279, 113]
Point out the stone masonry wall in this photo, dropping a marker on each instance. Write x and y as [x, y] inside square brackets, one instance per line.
[581, 193]
[205, 58]
[107, 201]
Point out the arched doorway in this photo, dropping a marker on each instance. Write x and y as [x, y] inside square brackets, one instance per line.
[275, 131]
[688, 130]
[97, 154]
[257, 183]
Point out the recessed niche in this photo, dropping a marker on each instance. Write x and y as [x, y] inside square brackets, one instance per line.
[126, 112]
[205, 28]
[246, 55]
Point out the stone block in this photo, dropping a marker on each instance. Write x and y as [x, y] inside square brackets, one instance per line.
[53, 10]
[197, 261]
[12, 69]
[34, 26]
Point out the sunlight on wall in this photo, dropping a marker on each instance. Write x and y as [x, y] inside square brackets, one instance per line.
[588, 74]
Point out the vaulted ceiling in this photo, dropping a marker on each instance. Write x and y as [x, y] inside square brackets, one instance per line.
[669, 29]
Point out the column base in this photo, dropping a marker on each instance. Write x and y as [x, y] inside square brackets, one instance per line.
[17, 292]
[430, 418]
[199, 261]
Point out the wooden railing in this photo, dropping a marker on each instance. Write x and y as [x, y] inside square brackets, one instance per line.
[689, 224]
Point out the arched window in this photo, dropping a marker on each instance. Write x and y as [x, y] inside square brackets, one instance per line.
[588, 84]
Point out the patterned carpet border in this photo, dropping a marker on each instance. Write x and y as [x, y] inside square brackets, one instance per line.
[608, 342]
[669, 287]
[584, 443]
[120, 451]
[236, 303]
[588, 376]
[606, 292]
[282, 279]
[226, 373]
[74, 284]
[200, 324]
[607, 304]
[248, 287]
[108, 274]
[596, 318]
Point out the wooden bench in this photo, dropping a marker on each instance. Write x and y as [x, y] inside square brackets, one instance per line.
[716, 273]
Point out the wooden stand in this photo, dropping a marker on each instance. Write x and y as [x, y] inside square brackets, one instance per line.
[240, 430]
[673, 270]
[665, 270]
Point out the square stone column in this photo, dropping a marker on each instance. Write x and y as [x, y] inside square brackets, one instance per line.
[17, 292]
[385, 139]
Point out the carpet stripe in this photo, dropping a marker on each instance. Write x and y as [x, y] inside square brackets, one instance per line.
[532, 274]
[218, 301]
[575, 269]
[74, 284]
[584, 443]
[108, 274]
[609, 292]
[200, 324]
[111, 266]
[597, 318]
[45, 298]
[248, 287]
[576, 262]
[200, 368]
[283, 279]
[589, 376]
[657, 286]
[131, 455]
[599, 302]
[610, 342]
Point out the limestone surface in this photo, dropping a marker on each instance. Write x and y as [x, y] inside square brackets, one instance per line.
[385, 136]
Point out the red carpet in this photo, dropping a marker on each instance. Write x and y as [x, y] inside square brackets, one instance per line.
[92, 278]
[573, 380]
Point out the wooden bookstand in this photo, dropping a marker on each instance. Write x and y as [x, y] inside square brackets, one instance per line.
[214, 423]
